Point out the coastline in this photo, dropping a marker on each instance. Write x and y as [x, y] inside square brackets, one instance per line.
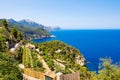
[40, 38]
[90, 43]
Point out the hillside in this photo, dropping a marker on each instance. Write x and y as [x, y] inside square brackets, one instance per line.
[24, 60]
[29, 32]
[8, 61]
[57, 55]
[32, 24]
[54, 56]
[26, 22]
[61, 57]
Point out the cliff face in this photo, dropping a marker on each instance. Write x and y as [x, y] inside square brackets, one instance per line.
[80, 60]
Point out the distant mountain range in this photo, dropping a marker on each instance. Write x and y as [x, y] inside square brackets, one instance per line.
[32, 24]
[31, 29]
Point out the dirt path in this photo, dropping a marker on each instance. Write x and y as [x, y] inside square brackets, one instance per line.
[44, 64]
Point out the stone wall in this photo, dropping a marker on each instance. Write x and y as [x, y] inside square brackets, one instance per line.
[35, 74]
[73, 76]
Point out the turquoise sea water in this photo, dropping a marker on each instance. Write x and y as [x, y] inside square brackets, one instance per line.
[93, 44]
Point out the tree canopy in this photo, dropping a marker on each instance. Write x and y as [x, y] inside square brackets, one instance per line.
[4, 23]
[8, 68]
[2, 42]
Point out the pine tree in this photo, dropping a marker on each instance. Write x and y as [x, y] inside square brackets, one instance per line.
[5, 24]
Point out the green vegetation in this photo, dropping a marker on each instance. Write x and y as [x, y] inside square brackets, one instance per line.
[108, 71]
[8, 63]
[59, 56]
[17, 34]
[27, 58]
[4, 23]
[30, 59]
[2, 42]
[36, 63]
[5, 32]
[10, 34]
[57, 50]
[66, 55]
[8, 68]
[27, 31]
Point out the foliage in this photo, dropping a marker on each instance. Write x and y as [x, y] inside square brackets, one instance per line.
[18, 54]
[108, 71]
[54, 50]
[26, 57]
[9, 34]
[14, 32]
[50, 64]
[50, 51]
[27, 31]
[4, 32]
[8, 68]
[4, 23]
[2, 42]
[17, 34]
[36, 62]
[30, 59]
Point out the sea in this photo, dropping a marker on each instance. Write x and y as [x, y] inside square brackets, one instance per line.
[93, 44]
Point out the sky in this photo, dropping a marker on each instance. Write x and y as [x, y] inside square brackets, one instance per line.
[68, 14]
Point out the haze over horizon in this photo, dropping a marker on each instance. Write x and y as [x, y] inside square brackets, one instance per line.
[68, 14]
